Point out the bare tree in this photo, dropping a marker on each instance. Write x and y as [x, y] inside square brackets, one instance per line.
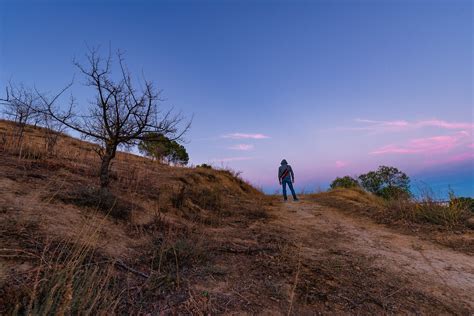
[20, 104]
[122, 112]
[52, 130]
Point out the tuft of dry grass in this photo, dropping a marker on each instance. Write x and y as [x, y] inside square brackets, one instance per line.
[66, 278]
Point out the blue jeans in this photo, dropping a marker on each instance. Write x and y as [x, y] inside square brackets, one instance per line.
[290, 185]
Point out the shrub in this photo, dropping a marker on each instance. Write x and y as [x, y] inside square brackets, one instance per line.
[204, 165]
[464, 202]
[387, 182]
[344, 182]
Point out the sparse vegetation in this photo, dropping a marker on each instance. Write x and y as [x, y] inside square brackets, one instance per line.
[465, 202]
[153, 252]
[428, 210]
[95, 198]
[194, 241]
[344, 182]
[204, 166]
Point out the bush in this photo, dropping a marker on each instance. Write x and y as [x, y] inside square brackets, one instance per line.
[344, 182]
[393, 193]
[464, 202]
[386, 182]
[205, 166]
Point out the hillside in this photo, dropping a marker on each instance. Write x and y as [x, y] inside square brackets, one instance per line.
[175, 240]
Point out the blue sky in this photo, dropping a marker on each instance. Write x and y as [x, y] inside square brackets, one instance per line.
[335, 87]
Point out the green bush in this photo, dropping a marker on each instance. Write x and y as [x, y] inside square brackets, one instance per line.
[344, 182]
[386, 182]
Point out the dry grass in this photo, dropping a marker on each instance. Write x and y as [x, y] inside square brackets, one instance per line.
[193, 241]
[450, 216]
[143, 263]
[423, 210]
[445, 223]
[65, 277]
[97, 199]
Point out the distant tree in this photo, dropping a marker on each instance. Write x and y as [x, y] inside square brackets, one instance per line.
[20, 105]
[52, 130]
[159, 147]
[387, 182]
[122, 113]
[178, 154]
[154, 145]
[344, 182]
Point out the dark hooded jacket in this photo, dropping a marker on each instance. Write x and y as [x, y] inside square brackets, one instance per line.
[285, 172]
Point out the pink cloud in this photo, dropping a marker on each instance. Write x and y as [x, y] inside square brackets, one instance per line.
[340, 164]
[384, 123]
[424, 145]
[444, 124]
[401, 125]
[461, 157]
[466, 156]
[245, 136]
[242, 147]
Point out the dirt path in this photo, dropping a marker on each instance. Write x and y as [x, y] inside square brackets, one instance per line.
[440, 273]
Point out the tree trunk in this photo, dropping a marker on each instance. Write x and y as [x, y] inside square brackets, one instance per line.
[105, 165]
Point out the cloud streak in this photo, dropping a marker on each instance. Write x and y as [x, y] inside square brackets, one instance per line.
[403, 125]
[425, 145]
[242, 147]
[340, 164]
[245, 136]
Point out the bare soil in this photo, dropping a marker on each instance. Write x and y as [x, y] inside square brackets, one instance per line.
[433, 270]
[310, 259]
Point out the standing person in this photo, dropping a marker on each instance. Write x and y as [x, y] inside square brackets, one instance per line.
[286, 176]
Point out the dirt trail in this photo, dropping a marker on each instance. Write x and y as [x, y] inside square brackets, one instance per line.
[441, 273]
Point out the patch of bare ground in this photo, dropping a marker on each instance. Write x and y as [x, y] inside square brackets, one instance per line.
[360, 266]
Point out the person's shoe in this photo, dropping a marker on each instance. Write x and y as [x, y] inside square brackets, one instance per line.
[296, 199]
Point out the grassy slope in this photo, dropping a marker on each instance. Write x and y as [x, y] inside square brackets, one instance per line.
[172, 227]
[181, 240]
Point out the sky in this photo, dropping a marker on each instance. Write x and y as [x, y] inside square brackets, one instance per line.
[334, 87]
